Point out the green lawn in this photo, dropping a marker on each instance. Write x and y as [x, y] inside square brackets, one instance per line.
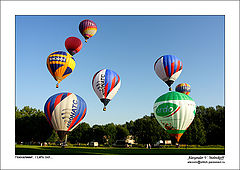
[57, 150]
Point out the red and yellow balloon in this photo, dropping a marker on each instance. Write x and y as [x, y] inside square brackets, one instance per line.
[60, 64]
[183, 88]
[87, 28]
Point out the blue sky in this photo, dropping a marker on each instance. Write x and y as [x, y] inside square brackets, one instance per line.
[129, 45]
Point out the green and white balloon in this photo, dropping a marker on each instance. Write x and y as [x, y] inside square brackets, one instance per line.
[175, 112]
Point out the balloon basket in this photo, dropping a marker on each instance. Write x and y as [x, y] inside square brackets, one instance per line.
[57, 85]
[170, 88]
[104, 109]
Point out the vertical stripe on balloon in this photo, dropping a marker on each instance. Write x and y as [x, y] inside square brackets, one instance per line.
[57, 100]
[172, 68]
[49, 113]
[106, 87]
[117, 80]
[83, 115]
[166, 71]
[51, 106]
[178, 66]
[64, 95]
[113, 84]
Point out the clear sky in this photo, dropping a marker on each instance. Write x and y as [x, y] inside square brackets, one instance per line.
[128, 45]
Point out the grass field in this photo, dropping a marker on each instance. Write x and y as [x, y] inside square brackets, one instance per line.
[71, 150]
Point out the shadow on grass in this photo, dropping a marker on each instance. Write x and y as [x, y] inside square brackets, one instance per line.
[37, 150]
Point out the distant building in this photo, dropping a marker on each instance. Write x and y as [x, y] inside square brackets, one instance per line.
[94, 144]
[162, 142]
[127, 142]
[168, 142]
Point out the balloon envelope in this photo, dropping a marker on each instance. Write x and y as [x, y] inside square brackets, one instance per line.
[168, 68]
[60, 64]
[106, 84]
[183, 88]
[175, 112]
[87, 28]
[64, 111]
[73, 45]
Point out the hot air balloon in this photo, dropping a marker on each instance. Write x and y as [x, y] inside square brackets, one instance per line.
[175, 112]
[64, 111]
[183, 88]
[168, 68]
[87, 28]
[73, 45]
[60, 64]
[106, 84]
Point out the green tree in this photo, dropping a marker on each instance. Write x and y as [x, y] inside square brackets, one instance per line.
[31, 125]
[110, 132]
[211, 126]
[147, 130]
[80, 134]
[220, 111]
[195, 134]
[130, 126]
[160, 131]
[98, 133]
[214, 123]
[53, 138]
[17, 113]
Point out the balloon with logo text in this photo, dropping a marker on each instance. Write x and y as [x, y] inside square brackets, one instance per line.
[73, 45]
[60, 64]
[183, 88]
[87, 28]
[175, 112]
[106, 84]
[168, 68]
[64, 111]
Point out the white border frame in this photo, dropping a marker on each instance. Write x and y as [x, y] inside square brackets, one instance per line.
[11, 8]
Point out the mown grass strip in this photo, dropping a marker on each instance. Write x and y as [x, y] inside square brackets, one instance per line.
[57, 150]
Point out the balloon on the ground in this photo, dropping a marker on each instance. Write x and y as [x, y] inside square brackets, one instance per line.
[64, 111]
[168, 68]
[87, 28]
[175, 112]
[73, 45]
[183, 88]
[106, 84]
[60, 64]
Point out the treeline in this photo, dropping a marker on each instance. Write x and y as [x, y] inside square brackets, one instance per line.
[208, 128]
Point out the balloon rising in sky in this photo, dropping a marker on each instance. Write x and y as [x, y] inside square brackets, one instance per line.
[168, 68]
[73, 45]
[60, 64]
[87, 28]
[183, 88]
[106, 84]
